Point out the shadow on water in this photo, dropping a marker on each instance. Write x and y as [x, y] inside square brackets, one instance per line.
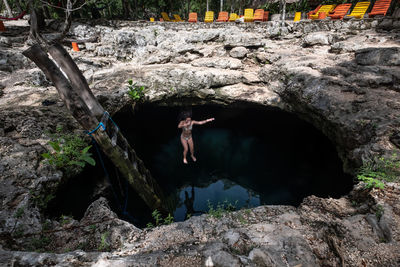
[249, 156]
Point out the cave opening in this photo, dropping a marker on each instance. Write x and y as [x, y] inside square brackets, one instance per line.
[249, 156]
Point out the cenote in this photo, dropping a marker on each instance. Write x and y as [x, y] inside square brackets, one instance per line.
[249, 156]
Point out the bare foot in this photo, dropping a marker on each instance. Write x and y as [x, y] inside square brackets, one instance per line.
[185, 161]
[193, 158]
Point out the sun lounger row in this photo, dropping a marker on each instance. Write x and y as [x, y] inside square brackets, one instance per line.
[380, 7]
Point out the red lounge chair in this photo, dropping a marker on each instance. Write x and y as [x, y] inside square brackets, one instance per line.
[192, 17]
[340, 11]
[313, 12]
[223, 16]
[259, 15]
[381, 7]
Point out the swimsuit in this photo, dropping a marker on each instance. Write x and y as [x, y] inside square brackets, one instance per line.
[187, 129]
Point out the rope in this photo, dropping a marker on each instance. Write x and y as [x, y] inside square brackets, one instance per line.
[102, 125]
[20, 16]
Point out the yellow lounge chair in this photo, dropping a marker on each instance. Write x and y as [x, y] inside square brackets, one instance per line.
[359, 10]
[297, 16]
[248, 15]
[324, 8]
[233, 17]
[209, 16]
[165, 16]
[178, 18]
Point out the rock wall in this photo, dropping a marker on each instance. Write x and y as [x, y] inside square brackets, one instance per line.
[342, 76]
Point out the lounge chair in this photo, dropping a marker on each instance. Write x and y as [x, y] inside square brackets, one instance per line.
[209, 16]
[324, 8]
[340, 11]
[297, 16]
[313, 12]
[248, 15]
[380, 7]
[259, 15]
[266, 14]
[359, 10]
[233, 17]
[165, 16]
[178, 18]
[192, 17]
[223, 16]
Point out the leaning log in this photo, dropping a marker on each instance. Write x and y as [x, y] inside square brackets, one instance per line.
[84, 107]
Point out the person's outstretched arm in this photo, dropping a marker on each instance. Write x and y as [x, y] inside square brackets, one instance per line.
[203, 122]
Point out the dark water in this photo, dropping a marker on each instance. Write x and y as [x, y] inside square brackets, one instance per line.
[247, 157]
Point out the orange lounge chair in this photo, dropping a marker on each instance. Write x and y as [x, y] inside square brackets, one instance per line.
[313, 12]
[165, 16]
[192, 17]
[259, 15]
[380, 7]
[223, 16]
[340, 11]
[266, 15]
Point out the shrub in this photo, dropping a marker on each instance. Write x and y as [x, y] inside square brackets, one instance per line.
[135, 92]
[68, 152]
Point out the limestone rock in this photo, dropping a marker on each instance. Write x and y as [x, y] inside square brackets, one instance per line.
[379, 56]
[221, 63]
[238, 52]
[317, 38]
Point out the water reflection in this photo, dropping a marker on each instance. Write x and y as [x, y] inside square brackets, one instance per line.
[218, 192]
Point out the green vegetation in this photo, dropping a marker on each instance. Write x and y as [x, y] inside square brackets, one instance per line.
[373, 173]
[159, 220]
[221, 208]
[104, 245]
[41, 200]
[379, 211]
[135, 92]
[65, 219]
[39, 244]
[20, 211]
[69, 152]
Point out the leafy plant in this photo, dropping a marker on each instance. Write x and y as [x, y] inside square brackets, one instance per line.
[20, 211]
[41, 200]
[39, 244]
[380, 169]
[159, 220]
[104, 246]
[65, 219]
[68, 152]
[135, 92]
[221, 208]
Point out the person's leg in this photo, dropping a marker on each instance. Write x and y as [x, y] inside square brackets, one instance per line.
[191, 147]
[185, 149]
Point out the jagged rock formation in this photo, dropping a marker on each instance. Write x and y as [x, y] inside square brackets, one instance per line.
[342, 76]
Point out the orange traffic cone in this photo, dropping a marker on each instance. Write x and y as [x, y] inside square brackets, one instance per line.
[75, 46]
[2, 28]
